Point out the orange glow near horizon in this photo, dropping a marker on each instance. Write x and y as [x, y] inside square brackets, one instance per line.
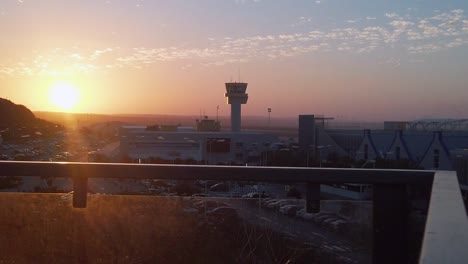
[64, 96]
[396, 61]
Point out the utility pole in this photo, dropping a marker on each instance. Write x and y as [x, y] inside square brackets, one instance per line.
[269, 116]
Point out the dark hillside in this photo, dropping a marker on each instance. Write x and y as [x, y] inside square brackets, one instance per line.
[13, 114]
[17, 122]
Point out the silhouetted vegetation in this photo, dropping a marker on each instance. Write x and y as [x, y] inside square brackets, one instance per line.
[44, 228]
[18, 123]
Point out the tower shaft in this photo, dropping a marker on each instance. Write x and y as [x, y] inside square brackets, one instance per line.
[235, 117]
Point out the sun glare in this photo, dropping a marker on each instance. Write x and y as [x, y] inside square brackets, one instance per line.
[64, 96]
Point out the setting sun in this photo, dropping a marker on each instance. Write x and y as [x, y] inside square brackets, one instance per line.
[64, 96]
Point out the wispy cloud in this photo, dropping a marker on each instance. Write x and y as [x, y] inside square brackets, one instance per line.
[425, 48]
[443, 30]
[246, 1]
[393, 15]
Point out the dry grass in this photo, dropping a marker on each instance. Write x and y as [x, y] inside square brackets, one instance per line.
[44, 228]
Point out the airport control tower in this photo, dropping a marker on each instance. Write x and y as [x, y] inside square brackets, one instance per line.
[235, 93]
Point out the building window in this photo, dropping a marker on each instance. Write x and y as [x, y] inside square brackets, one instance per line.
[239, 144]
[239, 155]
[366, 151]
[218, 145]
[436, 159]
[397, 153]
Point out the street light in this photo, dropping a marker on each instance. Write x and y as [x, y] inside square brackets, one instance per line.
[269, 116]
[320, 152]
[369, 161]
[208, 152]
[308, 153]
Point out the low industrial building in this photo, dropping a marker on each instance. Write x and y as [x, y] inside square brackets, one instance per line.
[204, 144]
[433, 144]
[140, 144]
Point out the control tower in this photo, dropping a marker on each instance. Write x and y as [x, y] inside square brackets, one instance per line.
[235, 93]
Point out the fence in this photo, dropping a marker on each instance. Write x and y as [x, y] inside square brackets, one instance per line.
[446, 230]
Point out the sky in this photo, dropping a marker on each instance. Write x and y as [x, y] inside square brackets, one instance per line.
[349, 59]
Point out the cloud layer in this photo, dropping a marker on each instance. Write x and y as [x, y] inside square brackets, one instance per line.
[400, 32]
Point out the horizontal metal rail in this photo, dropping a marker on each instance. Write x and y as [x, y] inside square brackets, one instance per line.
[221, 173]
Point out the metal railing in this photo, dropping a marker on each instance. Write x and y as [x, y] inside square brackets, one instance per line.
[446, 230]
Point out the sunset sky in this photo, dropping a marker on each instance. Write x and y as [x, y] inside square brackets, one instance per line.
[365, 60]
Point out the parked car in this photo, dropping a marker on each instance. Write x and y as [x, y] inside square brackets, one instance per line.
[256, 195]
[220, 187]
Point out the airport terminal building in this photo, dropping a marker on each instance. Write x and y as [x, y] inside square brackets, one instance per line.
[431, 144]
[140, 144]
[205, 144]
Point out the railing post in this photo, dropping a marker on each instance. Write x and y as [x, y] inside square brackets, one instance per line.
[313, 198]
[80, 191]
[390, 215]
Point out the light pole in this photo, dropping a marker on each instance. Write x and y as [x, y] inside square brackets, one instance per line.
[320, 155]
[208, 151]
[269, 116]
[369, 161]
[320, 152]
[217, 109]
[311, 147]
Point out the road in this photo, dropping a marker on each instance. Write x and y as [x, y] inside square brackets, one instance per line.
[309, 233]
[115, 186]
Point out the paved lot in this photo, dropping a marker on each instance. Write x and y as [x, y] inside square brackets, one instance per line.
[311, 234]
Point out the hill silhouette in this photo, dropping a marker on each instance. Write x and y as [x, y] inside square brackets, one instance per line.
[14, 114]
[18, 122]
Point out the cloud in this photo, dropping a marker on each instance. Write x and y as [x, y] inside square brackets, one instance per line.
[457, 42]
[244, 1]
[302, 21]
[63, 62]
[426, 48]
[416, 36]
[393, 15]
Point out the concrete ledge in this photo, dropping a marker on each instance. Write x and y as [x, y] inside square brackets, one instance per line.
[446, 232]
